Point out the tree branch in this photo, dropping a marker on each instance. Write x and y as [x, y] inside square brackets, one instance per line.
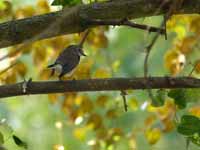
[109, 84]
[74, 20]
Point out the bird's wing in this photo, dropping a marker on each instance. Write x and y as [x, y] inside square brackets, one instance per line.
[69, 63]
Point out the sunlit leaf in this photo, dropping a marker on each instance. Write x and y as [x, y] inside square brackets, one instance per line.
[42, 7]
[102, 73]
[195, 111]
[80, 133]
[174, 61]
[24, 12]
[133, 103]
[153, 135]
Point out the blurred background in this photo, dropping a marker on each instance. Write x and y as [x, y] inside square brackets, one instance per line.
[97, 120]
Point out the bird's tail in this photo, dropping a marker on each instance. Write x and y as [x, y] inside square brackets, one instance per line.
[51, 67]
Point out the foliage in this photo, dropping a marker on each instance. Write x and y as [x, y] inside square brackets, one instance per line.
[70, 120]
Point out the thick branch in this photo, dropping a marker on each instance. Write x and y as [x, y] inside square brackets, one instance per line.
[74, 20]
[110, 84]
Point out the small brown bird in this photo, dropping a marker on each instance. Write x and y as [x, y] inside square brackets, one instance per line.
[67, 61]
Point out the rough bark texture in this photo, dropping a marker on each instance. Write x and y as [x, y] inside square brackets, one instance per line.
[110, 84]
[74, 20]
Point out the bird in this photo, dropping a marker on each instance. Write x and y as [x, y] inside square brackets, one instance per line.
[67, 61]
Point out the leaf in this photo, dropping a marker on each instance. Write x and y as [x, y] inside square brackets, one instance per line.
[80, 133]
[179, 97]
[19, 142]
[102, 100]
[1, 138]
[159, 98]
[189, 125]
[66, 2]
[195, 139]
[102, 73]
[192, 95]
[95, 121]
[153, 135]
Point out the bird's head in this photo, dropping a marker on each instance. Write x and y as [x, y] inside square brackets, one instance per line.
[78, 50]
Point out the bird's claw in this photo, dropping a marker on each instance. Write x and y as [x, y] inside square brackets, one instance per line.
[25, 85]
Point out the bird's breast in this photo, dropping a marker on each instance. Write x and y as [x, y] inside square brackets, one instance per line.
[58, 69]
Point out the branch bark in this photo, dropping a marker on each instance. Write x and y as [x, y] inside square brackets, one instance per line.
[74, 20]
[109, 84]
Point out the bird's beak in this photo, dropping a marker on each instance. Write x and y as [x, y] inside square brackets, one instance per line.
[82, 53]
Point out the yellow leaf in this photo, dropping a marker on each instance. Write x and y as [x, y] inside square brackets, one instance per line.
[83, 70]
[133, 103]
[111, 113]
[115, 65]
[150, 120]
[197, 66]
[195, 24]
[174, 61]
[180, 31]
[153, 135]
[86, 105]
[168, 124]
[21, 69]
[187, 44]
[53, 98]
[102, 100]
[80, 133]
[42, 7]
[95, 121]
[102, 73]
[195, 111]
[27, 11]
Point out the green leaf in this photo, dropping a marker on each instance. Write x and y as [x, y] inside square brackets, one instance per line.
[189, 125]
[19, 142]
[1, 138]
[195, 138]
[66, 2]
[159, 98]
[192, 95]
[179, 97]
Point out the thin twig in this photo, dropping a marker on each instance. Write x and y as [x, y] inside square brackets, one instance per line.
[123, 94]
[172, 9]
[125, 22]
[193, 69]
[84, 38]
